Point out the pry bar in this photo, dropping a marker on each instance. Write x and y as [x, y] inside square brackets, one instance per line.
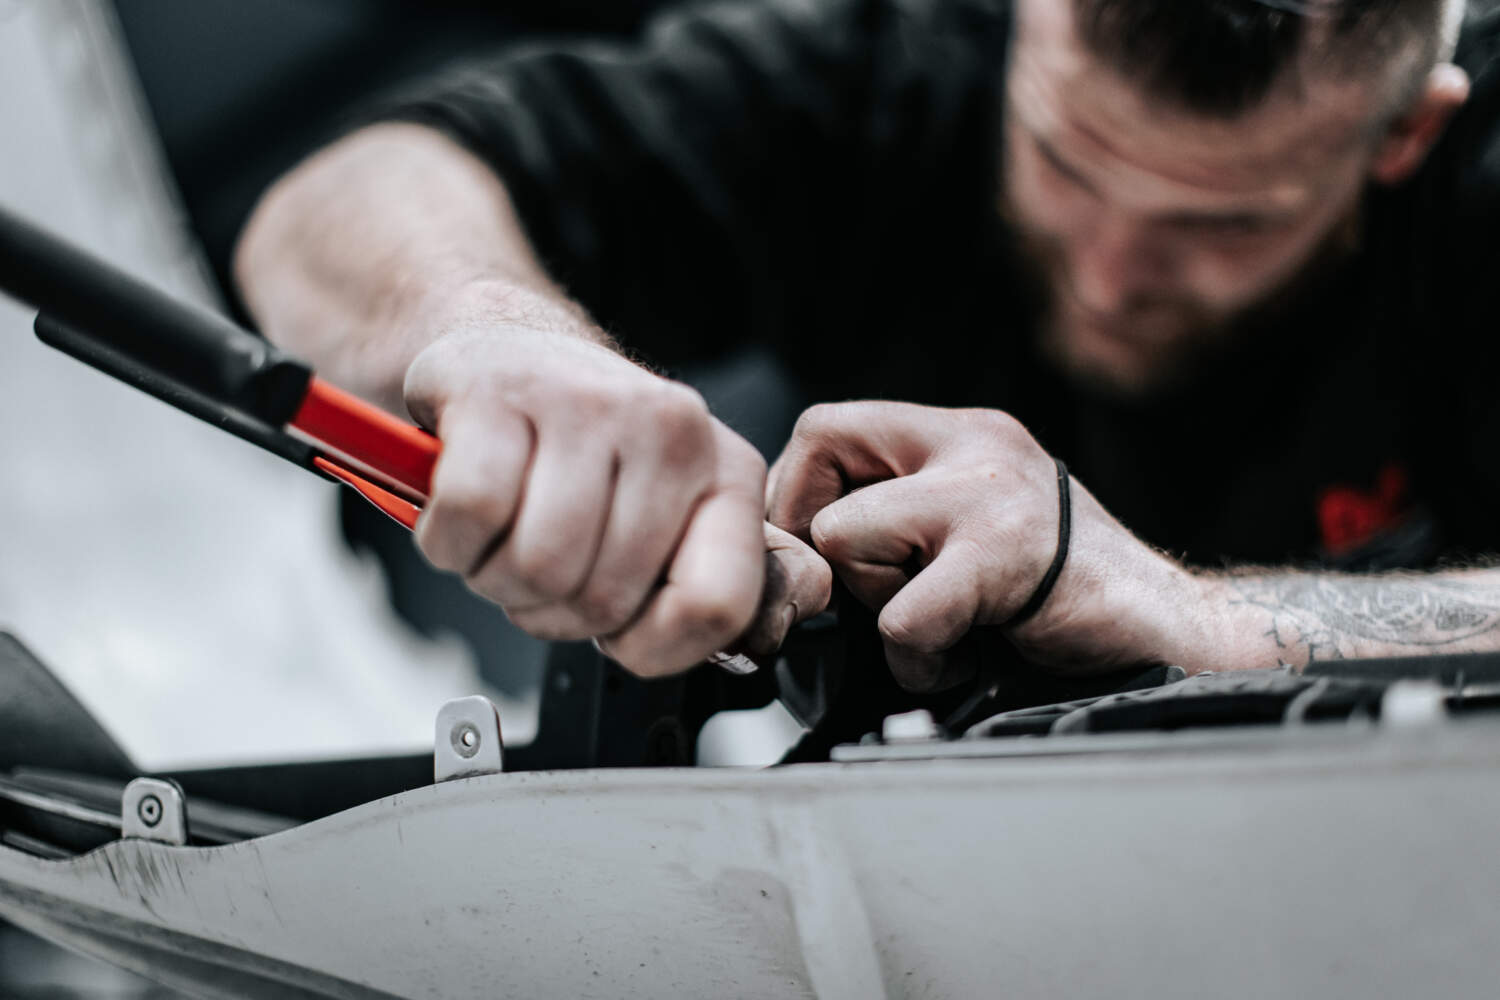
[206, 365]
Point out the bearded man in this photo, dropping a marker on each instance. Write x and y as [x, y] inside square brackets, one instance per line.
[1223, 263]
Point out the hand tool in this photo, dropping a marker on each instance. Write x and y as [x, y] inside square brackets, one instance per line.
[206, 365]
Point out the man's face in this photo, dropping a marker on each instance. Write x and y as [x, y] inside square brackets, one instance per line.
[1155, 227]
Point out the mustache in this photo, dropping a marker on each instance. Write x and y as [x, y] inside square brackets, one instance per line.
[1044, 270]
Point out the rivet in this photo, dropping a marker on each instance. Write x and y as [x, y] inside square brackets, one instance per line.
[465, 739]
[149, 810]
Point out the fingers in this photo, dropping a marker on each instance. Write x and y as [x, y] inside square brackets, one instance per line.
[929, 616]
[645, 526]
[834, 448]
[891, 545]
[550, 549]
[798, 585]
[477, 487]
[877, 537]
[574, 484]
[956, 524]
[666, 473]
[714, 583]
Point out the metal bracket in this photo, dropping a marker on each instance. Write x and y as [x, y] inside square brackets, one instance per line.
[154, 809]
[466, 741]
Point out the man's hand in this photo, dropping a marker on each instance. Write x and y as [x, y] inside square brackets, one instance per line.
[590, 498]
[943, 520]
[585, 495]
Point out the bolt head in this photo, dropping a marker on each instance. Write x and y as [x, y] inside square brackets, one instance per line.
[149, 810]
[465, 739]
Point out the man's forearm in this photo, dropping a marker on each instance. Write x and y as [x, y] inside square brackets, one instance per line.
[357, 258]
[1299, 618]
[583, 494]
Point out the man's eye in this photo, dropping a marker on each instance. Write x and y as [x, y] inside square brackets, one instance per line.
[1056, 165]
[1241, 226]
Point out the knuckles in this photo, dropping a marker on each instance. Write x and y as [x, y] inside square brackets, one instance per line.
[998, 428]
[819, 420]
[741, 464]
[678, 418]
[664, 426]
[673, 405]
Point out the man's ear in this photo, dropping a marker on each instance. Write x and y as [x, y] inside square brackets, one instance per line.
[1412, 135]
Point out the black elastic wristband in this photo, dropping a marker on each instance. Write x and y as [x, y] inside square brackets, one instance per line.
[1064, 534]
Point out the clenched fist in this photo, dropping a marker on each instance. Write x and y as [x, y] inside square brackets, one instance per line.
[590, 498]
[944, 520]
[585, 495]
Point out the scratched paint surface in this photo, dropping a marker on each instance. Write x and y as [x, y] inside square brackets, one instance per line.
[1023, 877]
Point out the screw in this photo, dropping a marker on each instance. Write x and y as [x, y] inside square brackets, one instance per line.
[149, 810]
[465, 739]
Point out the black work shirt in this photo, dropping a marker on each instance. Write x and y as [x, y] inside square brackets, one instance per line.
[822, 177]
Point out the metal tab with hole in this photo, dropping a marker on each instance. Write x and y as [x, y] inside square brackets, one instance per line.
[154, 809]
[466, 741]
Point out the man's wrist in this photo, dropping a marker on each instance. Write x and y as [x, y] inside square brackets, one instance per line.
[461, 311]
[1189, 625]
[444, 303]
[1241, 635]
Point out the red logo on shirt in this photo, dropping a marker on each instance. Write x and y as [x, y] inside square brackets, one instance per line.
[1348, 517]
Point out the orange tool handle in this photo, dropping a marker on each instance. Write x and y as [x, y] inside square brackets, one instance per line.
[394, 449]
[403, 511]
[369, 435]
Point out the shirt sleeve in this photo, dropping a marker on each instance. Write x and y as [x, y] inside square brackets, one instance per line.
[690, 187]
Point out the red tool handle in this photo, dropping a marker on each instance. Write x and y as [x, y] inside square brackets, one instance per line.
[369, 435]
[401, 510]
[373, 438]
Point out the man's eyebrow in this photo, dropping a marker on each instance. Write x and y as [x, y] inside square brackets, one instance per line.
[1249, 216]
[1252, 214]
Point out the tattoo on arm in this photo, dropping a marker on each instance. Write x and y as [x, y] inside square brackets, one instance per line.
[1325, 617]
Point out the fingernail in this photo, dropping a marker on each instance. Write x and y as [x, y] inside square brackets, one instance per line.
[735, 663]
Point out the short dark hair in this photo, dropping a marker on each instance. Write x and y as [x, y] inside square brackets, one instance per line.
[1222, 57]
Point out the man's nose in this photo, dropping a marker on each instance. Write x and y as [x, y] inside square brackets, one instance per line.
[1114, 262]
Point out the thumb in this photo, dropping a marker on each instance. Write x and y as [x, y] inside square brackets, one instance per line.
[837, 447]
[798, 585]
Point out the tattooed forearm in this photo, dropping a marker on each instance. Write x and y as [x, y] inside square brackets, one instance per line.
[1319, 617]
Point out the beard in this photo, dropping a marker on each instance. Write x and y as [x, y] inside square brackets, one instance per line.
[1154, 345]
[1150, 346]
